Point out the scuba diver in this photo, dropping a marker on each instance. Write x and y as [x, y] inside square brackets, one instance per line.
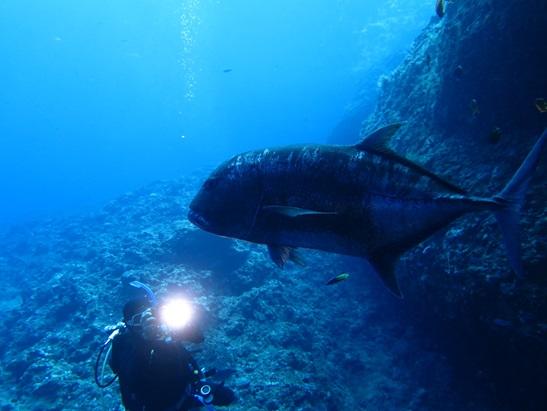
[156, 372]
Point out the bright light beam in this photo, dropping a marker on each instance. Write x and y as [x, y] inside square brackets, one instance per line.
[176, 313]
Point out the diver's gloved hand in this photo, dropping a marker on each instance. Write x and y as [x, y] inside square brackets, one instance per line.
[208, 373]
[109, 328]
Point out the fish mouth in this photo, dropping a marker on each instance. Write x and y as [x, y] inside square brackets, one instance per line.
[197, 219]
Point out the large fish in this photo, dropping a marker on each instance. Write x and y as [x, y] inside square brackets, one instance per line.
[363, 200]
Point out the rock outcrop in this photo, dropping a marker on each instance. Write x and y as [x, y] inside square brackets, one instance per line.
[467, 92]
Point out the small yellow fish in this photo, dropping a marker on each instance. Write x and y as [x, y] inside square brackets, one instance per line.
[541, 105]
[338, 278]
[440, 8]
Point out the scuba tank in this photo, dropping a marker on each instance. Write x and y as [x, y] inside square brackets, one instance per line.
[105, 351]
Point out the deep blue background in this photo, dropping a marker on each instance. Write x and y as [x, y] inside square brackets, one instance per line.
[99, 97]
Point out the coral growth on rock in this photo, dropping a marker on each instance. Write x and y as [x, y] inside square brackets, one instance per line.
[466, 91]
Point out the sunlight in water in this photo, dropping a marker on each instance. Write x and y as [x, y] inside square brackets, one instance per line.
[189, 21]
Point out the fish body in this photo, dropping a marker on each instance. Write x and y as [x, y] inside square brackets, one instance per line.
[362, 200]
[541, 105]
[440, 8]
[459, 72]
[474, 107]
[495, 135]
[337, 279]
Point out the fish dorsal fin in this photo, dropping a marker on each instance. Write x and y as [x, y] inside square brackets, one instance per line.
[384, 265]
[377, 142]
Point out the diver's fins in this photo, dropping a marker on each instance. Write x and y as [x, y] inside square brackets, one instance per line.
[512, 197]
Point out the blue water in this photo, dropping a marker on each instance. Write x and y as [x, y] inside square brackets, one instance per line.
[101, 97]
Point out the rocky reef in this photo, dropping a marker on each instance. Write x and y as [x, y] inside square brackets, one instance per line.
[288, 340]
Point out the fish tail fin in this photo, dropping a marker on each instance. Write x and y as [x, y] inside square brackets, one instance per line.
[511, 198]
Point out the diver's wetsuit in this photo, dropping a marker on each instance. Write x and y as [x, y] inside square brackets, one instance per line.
[158, 375]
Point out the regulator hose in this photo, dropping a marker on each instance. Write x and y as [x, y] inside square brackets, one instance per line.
[108, 346]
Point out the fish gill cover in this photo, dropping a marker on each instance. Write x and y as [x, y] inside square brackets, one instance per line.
[103, 97]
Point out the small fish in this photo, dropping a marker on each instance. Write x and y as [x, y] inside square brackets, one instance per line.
[541, 105]
[339, 278]
[474, 107]
[458, 71]
[227, 70]
[440, 8]
[495, 135]
[502, 323]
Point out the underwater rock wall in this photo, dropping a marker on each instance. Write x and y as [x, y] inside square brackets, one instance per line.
[467, 93]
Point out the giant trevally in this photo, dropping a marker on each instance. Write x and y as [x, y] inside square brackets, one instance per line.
[363, 200]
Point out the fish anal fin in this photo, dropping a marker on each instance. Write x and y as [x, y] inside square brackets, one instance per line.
[384, 265]
[281, 254]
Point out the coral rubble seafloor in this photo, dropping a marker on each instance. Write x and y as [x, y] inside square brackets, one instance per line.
[289, 341]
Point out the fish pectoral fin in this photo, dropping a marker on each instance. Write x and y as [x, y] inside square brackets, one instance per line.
[288, 211]
[281, 254]
[384, 265]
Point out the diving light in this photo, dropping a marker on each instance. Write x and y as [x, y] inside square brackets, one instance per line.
[176, 313]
